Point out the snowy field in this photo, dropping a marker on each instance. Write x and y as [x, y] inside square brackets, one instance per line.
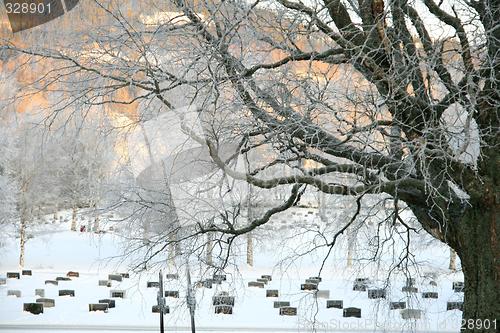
[54, 250]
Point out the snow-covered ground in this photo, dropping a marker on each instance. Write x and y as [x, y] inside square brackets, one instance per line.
[54, 250]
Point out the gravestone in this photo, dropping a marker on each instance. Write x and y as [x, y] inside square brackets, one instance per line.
[309, 286]
[3, 281]
[172, 293]
[360, 284]
[207, 283]
[267, 277]
[455, 306]
[264, 281]
[72, 274]
[125, 275]
[63, 278]
[12, 275]
[337, 304]
[117, 293]
[52, 282]
[280, 304]
[458, 287]
[27, 272]
[433, 283]
[316, 278]
[104, 283]
[34, 308]
[40, 292]
[359, 287]
[411, 314]
[156, 309]
[152, 284]
[322, 294]
[98, 307]
[219, 277]
[288, 311]
[312, 281]
[409, 289]
[272, 293]
[16, 293]
[172, 276]
[352, 312]
[376, 293]
[256, 284]
[67, 292]
[397, 305]
[223, 309]
[115, 277]
[223, 300]
[111, 302]
[362, 280]
[430, 294]
[47, 302]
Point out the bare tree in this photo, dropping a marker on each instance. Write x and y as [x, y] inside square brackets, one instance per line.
[365, 93]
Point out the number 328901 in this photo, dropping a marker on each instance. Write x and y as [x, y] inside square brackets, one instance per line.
[27, 8]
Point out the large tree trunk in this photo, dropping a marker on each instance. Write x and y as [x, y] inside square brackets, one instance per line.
[73, 219]
[22, 236]
[479, 252]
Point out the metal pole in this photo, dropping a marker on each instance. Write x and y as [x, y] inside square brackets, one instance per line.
[161, 302]
[191, 300]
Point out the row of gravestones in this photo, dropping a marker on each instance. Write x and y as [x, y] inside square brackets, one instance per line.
[108, 303]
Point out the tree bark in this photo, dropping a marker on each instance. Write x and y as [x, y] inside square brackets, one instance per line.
[73, 219]
[22, 236]
[479, 252]
[453, 260]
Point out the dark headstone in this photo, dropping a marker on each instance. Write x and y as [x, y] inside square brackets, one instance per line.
[98, 307]
[125, 275]
[315, 281]
[430, 294]
[111, 302]
[337, 304]
[264, 281]
[223, 300]
[117, 293]
[272, 293]
[458, 287]
[280, 304]
[256, 284]
[309, 286]
[455, 306]
[267, 277]
[223, 309]
[12, 275]
[365, 281]
[315, 278]
[67, 292]
[376, 293]
[407, 289]
[40, 292]
[53, 282]
[115, 277]
[16, 293]
[156, 309]
[26, 272]
[172, 293]
[152, 284]
[219, 277]
[72, 274]
[433, 283]
[359, 287]
[62, 278]
[288, 311]
[104, 283]
[397, 305]
[34, 308]
[411, 314]
[207, 284]
[47, 302]
[352, 312]
[172, 276]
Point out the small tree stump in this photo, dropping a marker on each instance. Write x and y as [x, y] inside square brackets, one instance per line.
[397, 305]
[455, 306]
[309, 286]
[115, 277]
[117, 293]
[153, 284]
[72, 274]
[34, 308]
[280, 304]
[111, 302]
[52, 282]
[288, 311]
[407, 314]
[337, 304]
[272, 293]
[40, 292]
[98, 307]
[16, 293]
[172, 293]
[27, 272]
[376, 293]
[352, 312]
[47, 302]
[67, 292]
[431, 294]
[12, 275]
[256, 284]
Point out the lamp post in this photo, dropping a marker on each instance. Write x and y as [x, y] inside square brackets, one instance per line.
[161, 302]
